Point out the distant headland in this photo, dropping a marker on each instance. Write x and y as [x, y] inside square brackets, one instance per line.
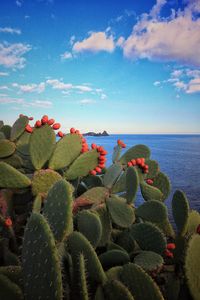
[104, 133]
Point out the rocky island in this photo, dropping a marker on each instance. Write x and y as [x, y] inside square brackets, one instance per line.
[104, 133]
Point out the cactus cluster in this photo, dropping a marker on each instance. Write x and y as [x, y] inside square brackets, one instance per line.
[70, 231]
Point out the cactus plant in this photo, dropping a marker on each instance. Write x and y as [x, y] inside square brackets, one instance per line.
[180, 210]
[111, 175]
[135, 152]
[149, 260]
[18, 127]
[11, 178]
[9, 290]
[113, 258]
[7, 148]
[132, 182]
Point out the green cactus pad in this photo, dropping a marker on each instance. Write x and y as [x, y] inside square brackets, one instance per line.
[42, 143]
[153, 168]
[111, 175]
[11, 178]
[150, 192]
[113, 258]
[37, 204]
[82, 165]
[76, 244]
[132, 183]
[120, 184]
[192, 266]
[58, 209]
[116, 153]
[126, 240]
[6, 129]
[14, 273]
[153, 211]
[1, 124]
[149, 237]
[193, 221]
[89, 224]
[114, 273]
[43, 180]
[99, 295]
[2, 136]
[7, 148]
[18, 127]
[161, 181]
[66, 151]
[116, 290]
[121, 213]
[113, 246]
[83, 289]
[180, 210]
[135, 152]
[140, 284]
[40, 261]
[149, 260]
[9, 290]
[23, 143]
[14, 160]
[106, 225]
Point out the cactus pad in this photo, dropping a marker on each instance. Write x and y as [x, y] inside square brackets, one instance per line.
[23, 143]
[83, 278]
[106, 225]
[132, 182]
[113, 258]
[111, 175]
[149, 260]
[37, 204]
[42, 276]
[135, 152]
[43, 181]
[42, 143]
[9, 290]
[66, 151]
[150, 192]
[121, 213]
[7, 148]
[193, 221]
[153, 211]
[13, 160]
[6, 129]
[153, 168]
[116, 153]
[149, 237]
[180, 210]
[116, 290]
[82, 165]
[120, 184]
[18, 127]
[11, 178]
[161, 181]
[192, 266]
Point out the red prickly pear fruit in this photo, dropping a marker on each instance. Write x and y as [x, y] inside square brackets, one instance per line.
[171, 246]
[93, 146]
[142, 160]
[129, 164]
[133, 161]
[123, 145]
[138, 161]
[102, 166]
[30, 118]
[44, 119]
[93, 172]
[60, 134]
[100, 149]
[149, 181]
[77, 131]
[98, 169]
[38, 123]
[28, 128]
[21, 115]
[51, 121]
[104, 152]
[8, 222]
[146, 171]
[198, 229]
[169, 254]
[72, 130]
[83, 140]
[119, 142]
[56, 126]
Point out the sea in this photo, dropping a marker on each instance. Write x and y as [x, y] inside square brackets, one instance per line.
[178, 157]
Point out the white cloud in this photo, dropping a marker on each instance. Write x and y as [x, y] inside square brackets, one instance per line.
[66, 55]
[87, 101]
[193, 86]
[59, 85]
[157, 83]
[9, 100]
[173, 38]
[22, 103]
[4, 74]
[4, 87]
[41, 103]
[11, 55]
[10, 30]
[30, 88]
[19, 3]
[103, 96]
[83, 88]
[72, 39]
[97, 41]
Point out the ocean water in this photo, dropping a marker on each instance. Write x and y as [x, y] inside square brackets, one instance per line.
[178, 157]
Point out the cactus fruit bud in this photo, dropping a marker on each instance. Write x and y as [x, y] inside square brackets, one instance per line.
[104, 152]
[98, 169]
[129, 164]
[56, 126]
[169, 254]
[138, 161]
[38, 123]
[121, 143]
[149, 181]
[198, 229]
[93, 146]
[8, 222]
[44, 119]
[72, 130]
[102, 166]
[171, 246]
[77, 131]
[28, 128]
[51, 121]
[93, 172]
[133, 161]
[60, 134]
[30, 118]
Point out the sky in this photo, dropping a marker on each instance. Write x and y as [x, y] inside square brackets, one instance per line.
[123, 66]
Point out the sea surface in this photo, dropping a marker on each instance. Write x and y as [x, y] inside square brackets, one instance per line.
[178, 157]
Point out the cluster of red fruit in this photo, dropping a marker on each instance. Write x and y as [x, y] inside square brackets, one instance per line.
[140, 162]
[45, 120]
[168, 253]
[101, 159]
[121, 143]
[85, 147]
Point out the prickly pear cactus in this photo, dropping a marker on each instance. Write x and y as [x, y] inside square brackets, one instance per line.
[135, 152]
[7, 148]
[11, 178]
[18, 127]
[180, 210]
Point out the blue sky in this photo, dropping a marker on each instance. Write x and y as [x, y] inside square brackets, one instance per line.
[124, 66]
